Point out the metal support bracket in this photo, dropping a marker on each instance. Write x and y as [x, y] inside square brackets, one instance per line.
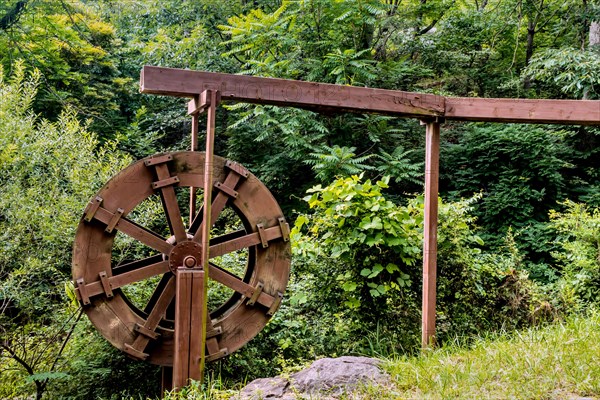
[106, 284]
[226, 189]
[256, 294]
[165, 182]
[114, 220]
[91, 208]
[275, 305]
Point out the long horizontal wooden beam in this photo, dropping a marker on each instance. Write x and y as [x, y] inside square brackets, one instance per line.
[537, 111]
[328, 97]
[283, 92]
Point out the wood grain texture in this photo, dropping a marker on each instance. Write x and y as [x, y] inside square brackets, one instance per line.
[432, 171]
[337, 98]
[578, 112]
[283, 92]
[116, 318]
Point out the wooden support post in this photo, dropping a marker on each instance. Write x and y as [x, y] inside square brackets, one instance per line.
[194, 147]
[212, 101]
[191, 311]
[432, 156]
[166, 381]
[189, 300]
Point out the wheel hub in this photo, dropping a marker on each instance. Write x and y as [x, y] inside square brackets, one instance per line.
[185, 254]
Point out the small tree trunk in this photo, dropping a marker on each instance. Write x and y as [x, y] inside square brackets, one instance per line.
[594, 38]
[40, 387]
[529, 50]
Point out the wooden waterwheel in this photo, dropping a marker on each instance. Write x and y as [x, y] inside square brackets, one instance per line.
[146, 331]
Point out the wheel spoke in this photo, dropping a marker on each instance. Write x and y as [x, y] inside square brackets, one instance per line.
[218, 204]
[234, 242]
[139, 274]
[137, 232]
[162, 303]
[195, 225]
[160, 288]
[173, 213]
[126, 278]
[146, 236]
[230, 280]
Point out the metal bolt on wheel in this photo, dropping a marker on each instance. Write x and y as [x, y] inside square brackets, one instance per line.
[148, 333]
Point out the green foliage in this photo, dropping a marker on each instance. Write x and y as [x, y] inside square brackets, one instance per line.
[578, 236]
[529, 175]
[575, 72]
[350, 67]
[262, 40]
[71, 47]
[358, 257]
[98, 370]
[400, 167]
[337, 161]
[356, 271]
[513, 365]
[47, 172]
[369, 241]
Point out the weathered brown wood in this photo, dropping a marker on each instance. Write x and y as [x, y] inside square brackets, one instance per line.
[577, 112]
[282, 92]
[169, 200]
[200, 289]
[137, 232]
[235, 323]
[251, 239]
[218, 204]
[233, 282]
[191, 308]
[136, 349]
[166, 380]
[198, 324]
[327, 97]
[117, 281]
[432, 154]
[183, 305]
[194, 147]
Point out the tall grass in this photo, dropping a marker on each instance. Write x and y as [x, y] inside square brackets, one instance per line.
[556, 362]
[561, 361]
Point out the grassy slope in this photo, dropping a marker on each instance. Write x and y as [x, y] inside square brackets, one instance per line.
[561, 361]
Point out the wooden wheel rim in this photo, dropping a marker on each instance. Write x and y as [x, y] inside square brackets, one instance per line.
[258, 294]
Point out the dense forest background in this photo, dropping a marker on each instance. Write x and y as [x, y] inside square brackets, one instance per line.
[519, 217]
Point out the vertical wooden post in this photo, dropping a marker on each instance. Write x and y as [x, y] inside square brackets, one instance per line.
[166, 380]
[191, 286]
[194, 147]
[188, 352]
[212, 98]
[432, 172]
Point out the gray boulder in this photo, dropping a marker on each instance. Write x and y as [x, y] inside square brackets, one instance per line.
[326, 378]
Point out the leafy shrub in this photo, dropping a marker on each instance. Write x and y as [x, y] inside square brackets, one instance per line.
[358, 268]
[528, 177]
[578, 235]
